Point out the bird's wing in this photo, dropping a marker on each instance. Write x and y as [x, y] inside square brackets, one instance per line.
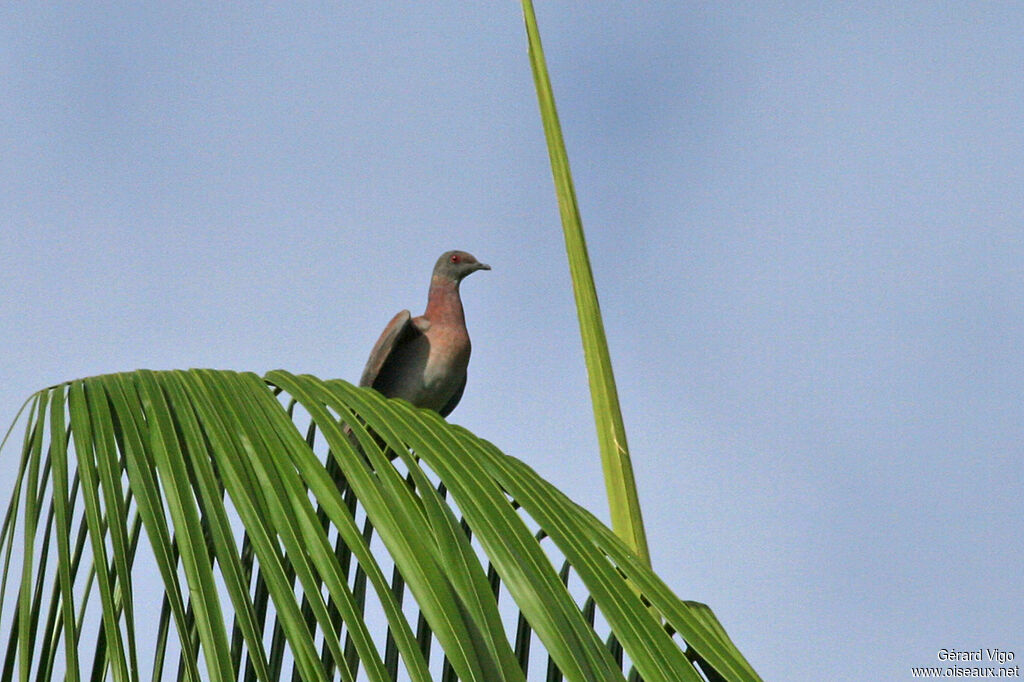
[454, 400]
[399, 329]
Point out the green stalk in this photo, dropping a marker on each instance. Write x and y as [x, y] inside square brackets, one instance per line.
[627, 521]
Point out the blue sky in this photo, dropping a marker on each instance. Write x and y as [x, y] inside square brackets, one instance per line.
[805, 224]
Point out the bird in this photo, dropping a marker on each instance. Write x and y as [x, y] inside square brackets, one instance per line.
[424, 359]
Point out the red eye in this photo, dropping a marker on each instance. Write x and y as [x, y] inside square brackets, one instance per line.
[455, 258]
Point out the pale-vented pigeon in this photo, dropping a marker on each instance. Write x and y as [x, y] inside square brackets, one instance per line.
[423, 359]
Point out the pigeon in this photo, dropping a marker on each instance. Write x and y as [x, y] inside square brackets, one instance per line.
[424, 359]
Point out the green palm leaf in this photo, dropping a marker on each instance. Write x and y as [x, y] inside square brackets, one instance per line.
[623, 501]
[295, 527]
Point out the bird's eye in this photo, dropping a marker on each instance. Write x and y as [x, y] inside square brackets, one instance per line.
[455, 258]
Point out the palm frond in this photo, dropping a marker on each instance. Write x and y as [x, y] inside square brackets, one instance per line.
[238, 527]
[620, 484]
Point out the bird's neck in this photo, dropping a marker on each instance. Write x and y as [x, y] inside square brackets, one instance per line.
[444, 305]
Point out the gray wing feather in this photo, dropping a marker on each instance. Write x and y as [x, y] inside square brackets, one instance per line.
[454, 400]
[399, 329]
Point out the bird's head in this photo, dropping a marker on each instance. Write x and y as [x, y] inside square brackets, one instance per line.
[454, 265]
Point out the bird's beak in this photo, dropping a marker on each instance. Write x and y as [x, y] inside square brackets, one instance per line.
[483, 266]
